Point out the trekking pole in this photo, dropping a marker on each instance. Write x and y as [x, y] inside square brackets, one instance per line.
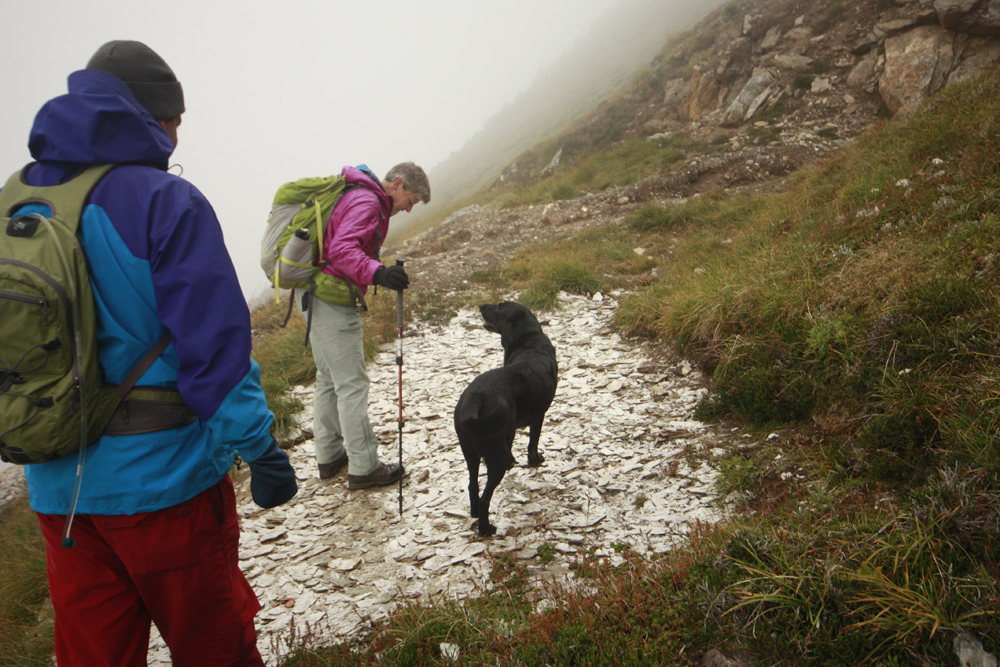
[399, 363]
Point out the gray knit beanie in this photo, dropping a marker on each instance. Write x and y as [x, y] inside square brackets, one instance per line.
[145, 73]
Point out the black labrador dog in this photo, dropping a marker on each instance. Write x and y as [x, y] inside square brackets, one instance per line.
[502, 400]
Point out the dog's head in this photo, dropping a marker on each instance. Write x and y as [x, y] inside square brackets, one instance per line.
[508, 318]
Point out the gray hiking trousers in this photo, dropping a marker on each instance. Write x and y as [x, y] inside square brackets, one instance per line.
[340, 411]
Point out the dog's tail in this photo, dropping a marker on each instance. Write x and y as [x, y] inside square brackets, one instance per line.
[470, 409]
[484, 413]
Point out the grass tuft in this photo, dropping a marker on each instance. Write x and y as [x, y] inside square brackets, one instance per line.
[26, 629]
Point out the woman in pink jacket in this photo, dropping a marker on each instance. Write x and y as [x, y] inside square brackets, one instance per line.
[342, 432]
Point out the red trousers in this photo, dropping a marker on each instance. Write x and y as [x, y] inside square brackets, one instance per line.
[176, 567]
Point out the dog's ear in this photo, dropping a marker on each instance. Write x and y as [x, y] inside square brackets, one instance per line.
[510, 318]
[512, 310]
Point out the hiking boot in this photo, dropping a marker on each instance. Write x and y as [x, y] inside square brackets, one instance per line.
[328, 470]
[385, 473]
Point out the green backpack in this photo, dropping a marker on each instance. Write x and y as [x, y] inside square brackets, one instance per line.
[52, 398]
[291, 252]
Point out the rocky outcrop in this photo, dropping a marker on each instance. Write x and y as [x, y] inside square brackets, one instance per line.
[900, 55]
[865, 74]
[675, 95]
[975, 17]
[704, 92]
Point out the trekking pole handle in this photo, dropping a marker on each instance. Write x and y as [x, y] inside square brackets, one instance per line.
[399, 300]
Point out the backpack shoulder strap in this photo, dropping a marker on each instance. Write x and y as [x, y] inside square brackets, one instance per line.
[143, 365]
[65, 200]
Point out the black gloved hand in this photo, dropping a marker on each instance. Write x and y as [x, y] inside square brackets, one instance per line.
[272, 478]
[393, 277]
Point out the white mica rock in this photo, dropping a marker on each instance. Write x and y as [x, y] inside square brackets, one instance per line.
[620, 427]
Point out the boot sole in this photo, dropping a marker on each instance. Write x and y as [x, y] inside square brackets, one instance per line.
[356, 486]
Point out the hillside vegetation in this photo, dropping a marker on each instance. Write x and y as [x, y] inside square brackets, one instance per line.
[870, 288]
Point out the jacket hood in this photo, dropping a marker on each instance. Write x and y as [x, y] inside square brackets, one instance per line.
[363, 176]
[98, 122]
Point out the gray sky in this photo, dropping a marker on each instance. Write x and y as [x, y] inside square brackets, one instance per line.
[280, 90]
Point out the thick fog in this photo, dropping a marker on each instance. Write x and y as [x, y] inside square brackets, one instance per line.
[278, 91]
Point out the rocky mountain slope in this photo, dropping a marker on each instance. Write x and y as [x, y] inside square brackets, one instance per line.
[620, 43]
[763, 87]
[772, 86]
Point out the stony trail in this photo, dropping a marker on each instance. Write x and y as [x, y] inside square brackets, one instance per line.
[626, 463]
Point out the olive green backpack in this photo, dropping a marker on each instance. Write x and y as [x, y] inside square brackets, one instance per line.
[52, 398]
[291, 251]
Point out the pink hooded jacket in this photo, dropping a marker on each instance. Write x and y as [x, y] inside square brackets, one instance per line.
[356, 230]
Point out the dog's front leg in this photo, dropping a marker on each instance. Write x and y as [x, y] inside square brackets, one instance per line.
[534, 433]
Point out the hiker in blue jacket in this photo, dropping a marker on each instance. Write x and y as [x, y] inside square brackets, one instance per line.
[156, 526]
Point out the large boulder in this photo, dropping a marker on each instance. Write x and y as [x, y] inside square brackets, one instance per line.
[980, 53]
[862, 76]
[793, 62]
[753, 94]
[917, 64]
[771, 38]
[677, 98]
[799, 34]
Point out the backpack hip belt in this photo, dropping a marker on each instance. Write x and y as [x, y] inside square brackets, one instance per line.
[149, 409]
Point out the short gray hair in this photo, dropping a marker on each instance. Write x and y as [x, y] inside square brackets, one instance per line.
[414, 179]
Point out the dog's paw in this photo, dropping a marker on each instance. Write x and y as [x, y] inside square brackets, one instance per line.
[487, 530]
[535, 460]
